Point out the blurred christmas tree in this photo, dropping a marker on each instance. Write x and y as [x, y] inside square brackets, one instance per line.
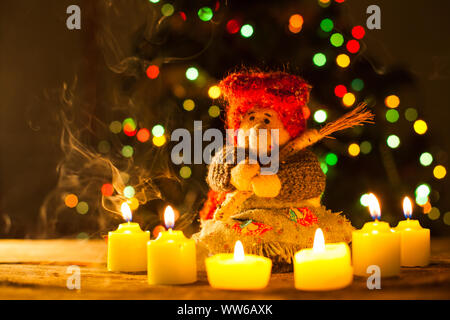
[172, 55]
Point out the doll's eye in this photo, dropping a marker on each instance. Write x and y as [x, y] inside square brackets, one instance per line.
[266, 121]
[252, 118]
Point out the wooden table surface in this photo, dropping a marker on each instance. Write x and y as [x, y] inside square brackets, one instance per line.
[37, 269]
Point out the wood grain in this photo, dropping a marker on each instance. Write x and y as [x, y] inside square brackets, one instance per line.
[36, 269]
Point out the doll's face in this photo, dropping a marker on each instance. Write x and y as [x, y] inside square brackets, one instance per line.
[261, 118]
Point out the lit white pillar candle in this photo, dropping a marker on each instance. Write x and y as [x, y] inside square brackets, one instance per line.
[376, 244]
[415, 240]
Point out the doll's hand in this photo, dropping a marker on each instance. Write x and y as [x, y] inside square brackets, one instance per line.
[242, 174]
[267, 186]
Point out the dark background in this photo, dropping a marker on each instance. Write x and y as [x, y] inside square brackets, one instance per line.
[38, 54]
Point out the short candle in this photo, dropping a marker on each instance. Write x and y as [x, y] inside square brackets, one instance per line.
[324, 267]
[415, 240]
[171, 256]
[127, 246]
[238, 271]
[376, 244]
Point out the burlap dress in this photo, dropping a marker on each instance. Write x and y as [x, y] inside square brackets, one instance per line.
[275, 227]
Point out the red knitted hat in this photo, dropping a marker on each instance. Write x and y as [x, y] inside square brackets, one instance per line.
[284, 93]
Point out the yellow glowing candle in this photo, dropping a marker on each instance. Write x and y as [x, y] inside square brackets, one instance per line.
[324, 267]
[376, 244]
[127, 246]
[171, 256]
[238, 271]
[415, 240]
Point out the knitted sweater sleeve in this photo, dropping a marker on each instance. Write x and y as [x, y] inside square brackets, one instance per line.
[301, 177]
[219, 170]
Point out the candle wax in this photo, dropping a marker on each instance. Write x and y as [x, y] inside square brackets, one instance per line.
[224, 272]
[171, 259]
[329, 269]
[376, 244]
[127, 248]
[415, 243]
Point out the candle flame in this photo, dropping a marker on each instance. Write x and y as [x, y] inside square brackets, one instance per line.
[407, 207]
[169, 217]
[126, 212]
[239, 254]
[319, 241]
[374, 207]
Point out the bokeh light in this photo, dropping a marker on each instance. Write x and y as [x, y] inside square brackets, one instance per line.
[233, 26]
[324, 167]
[295, 23]
[343, 60]
[104, 146]
[115, 127]
[357, 84]
[393, 141]
[158, 130]
[337, 39]
[319, 59]
[188, 104]
[107, 189]
[246, 31]
[192, 73]
[159, 141]
[143, 135]
[354, 149]
[185, 172]
[439, 172]
[434, 213]
[423, 190]
[205, 13]
[320, 116]
[326, 25]
[364, 200]
[127, 151]
[392, 115]
[71, 200]
[82, 207]
[353, 46]
[152, 71]
[331, 159]
[420, 126]
[411, 114]
[358, 32]
[421, 201]
[133, 203]
[214, 92]
[392, 101]
[129, 127]
[214, 111]
[167, 10]
[129, 192]
[426, 159]
[365, 147]
[340, 90]
[446, 218]
[348, 99]
[157, 230]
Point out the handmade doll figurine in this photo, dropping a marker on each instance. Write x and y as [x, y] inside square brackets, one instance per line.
[273, 214]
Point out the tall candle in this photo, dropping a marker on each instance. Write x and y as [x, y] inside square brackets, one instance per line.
[324, 267]
[172, 256]
[238, 271]
[415, 240]
[376, 244]
[127, 246]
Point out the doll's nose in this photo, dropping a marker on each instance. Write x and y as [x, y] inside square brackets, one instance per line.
[260, 125]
